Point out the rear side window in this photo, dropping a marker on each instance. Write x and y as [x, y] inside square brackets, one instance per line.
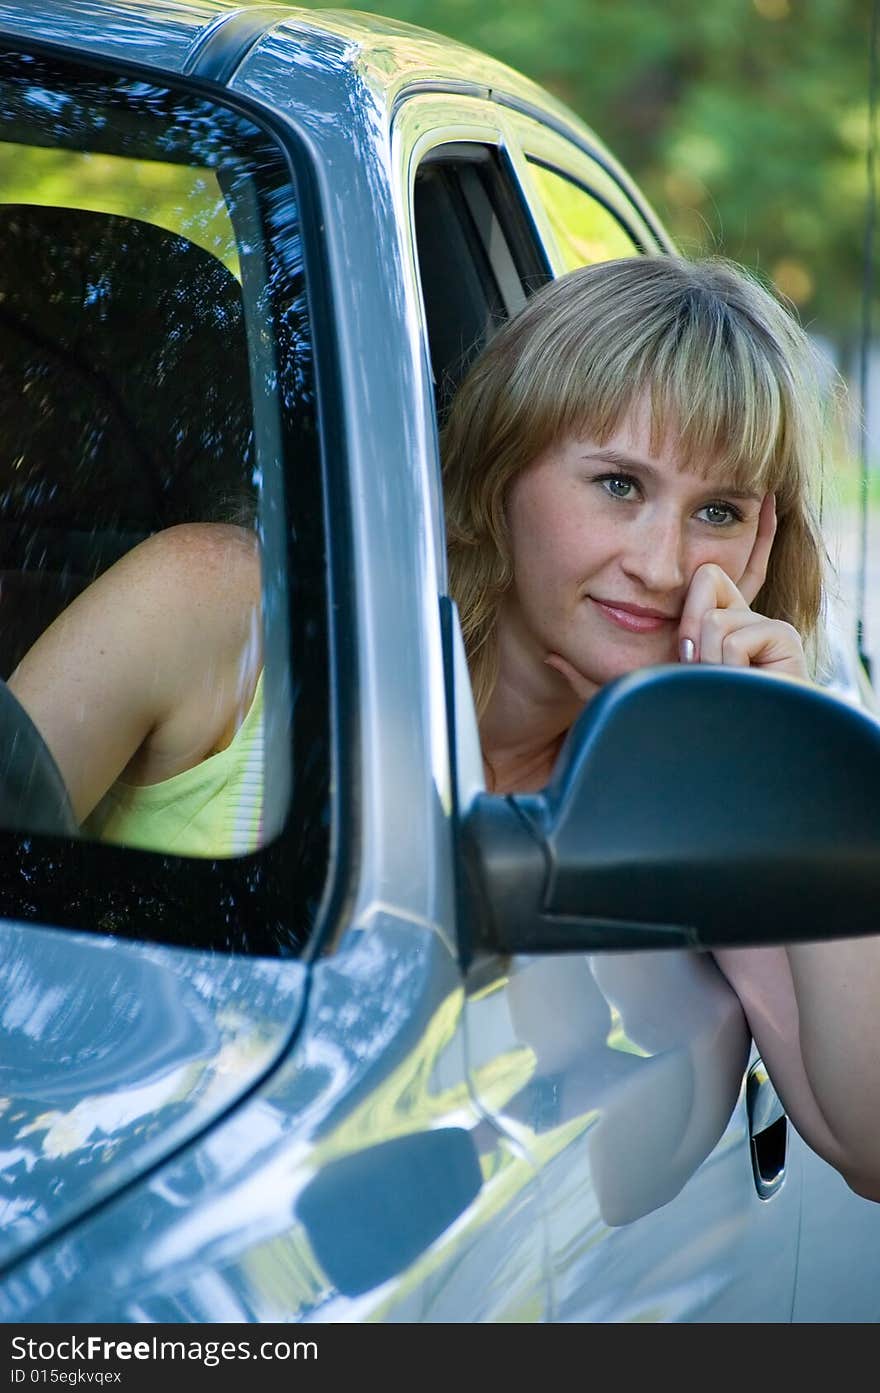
[585, 229]
[158, 409]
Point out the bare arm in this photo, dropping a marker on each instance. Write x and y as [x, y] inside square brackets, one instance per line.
[814, 1011]
[145, 670]
[813, 1008]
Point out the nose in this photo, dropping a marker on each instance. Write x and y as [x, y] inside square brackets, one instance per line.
[655, 556]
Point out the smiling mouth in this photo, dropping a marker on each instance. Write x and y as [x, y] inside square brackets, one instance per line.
[634, 618]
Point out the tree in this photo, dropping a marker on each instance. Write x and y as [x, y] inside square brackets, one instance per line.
[744, 121]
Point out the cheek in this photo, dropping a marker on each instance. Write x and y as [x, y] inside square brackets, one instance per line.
[548, 535]
[731, 554]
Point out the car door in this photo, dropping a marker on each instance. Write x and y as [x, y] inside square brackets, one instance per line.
[127, 299]
[838, 1275]
[235, 1086]
[623, 1077]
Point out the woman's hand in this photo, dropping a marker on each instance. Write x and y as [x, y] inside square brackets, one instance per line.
[717, 625]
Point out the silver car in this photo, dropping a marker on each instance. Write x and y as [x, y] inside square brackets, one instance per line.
[425, 1054]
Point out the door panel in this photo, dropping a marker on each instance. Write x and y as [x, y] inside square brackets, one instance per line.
[839, 1264]
[623, 1079]
[356, 1182]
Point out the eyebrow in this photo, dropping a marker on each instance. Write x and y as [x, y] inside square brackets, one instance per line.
[624, 461]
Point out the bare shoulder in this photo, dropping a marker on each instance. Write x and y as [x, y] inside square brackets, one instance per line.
[186, 588]
[154, 657]
[207, 542]
[196, 582]
[203, 559]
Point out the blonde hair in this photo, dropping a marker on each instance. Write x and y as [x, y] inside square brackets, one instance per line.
[730, 374]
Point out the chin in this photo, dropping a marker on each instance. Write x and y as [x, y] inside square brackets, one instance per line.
[627, 663]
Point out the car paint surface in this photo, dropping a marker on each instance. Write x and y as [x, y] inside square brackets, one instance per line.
[376, 1133]
[114, 1054]
[262, 1219]
[162, 37]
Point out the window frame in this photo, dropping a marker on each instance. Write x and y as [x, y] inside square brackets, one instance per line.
[591, 170]
[447, 128]
[446, 121]
[99, 888]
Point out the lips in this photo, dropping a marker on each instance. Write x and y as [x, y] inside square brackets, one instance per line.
[636, 619]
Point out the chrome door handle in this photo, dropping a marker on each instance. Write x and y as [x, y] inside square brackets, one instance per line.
[768, 1131]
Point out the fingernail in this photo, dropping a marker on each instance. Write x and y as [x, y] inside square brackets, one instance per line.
[686, 650]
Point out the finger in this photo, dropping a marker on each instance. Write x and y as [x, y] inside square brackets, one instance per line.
[717, 626]
[770, 644]
[710, 589]
[755, 573]
[741, 638]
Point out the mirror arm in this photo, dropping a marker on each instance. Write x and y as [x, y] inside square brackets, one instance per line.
[504, 869]
[506, 866]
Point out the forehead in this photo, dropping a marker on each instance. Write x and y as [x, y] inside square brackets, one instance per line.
[641, 438]
[640, 432]
[634, 444]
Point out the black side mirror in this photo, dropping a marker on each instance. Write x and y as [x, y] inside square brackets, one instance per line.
[690, 807]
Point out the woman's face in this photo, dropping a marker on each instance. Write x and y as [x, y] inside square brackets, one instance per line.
[605, 540]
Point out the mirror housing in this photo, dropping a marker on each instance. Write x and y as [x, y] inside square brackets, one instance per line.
[690, 807]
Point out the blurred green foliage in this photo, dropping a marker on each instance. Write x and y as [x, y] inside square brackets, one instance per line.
[744, 121]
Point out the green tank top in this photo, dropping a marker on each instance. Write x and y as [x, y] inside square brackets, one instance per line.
[213, 809]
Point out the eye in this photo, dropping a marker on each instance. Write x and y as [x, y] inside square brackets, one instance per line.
[621, 486]
[719, 514]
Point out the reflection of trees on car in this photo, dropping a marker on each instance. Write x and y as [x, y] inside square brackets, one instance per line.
[172, 196]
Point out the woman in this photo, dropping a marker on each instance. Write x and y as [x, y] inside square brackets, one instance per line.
[631, 470]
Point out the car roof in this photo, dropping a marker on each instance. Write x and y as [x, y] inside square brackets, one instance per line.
[181, 36]
[209, 39]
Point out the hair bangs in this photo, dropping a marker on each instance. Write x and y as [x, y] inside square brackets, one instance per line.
[721, 403]
[595, 381]
[711, 393]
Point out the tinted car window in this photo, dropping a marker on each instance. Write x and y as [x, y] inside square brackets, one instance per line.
[157, 371]
[125, 402]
